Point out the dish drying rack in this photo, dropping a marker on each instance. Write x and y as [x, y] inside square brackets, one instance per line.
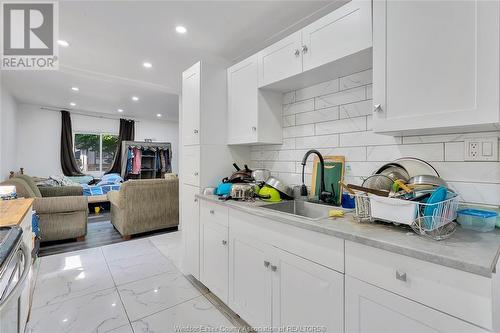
[434, 220]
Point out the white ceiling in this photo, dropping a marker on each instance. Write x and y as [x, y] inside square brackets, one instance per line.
[109, 41]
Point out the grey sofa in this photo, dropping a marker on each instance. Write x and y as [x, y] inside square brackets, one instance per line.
[145, 205]
[62, 216]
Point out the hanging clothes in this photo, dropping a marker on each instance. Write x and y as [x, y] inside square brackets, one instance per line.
[130, 157]
[163, 162]
[136, 164]
[168, 165]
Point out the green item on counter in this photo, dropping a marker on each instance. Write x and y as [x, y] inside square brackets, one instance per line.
[333, 174]
[269, 194]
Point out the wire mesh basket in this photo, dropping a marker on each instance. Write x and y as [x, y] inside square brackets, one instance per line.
[431, 220]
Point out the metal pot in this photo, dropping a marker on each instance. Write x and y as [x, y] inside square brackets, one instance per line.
[242, 191]
[427, 180]
[284, 189]
[261, 175]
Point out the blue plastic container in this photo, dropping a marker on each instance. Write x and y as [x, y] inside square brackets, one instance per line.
[477, 219]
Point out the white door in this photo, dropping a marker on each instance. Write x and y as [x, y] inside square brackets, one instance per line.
[191, 165]
[191, 229]
[371, 309]
[281, 60]
[242, 82]
[343, 32]
[214, 258]
[435, 64]
[250, 280]
[191, 105]
[306, 294]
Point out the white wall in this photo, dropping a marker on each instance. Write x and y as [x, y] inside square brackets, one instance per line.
[8, 118]
[40, 135]
[335, 118]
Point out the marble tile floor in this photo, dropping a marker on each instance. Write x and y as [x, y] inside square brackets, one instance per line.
[130, 287]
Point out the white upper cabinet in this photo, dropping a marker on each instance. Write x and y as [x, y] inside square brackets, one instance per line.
[254, 116]
[281, 60]
[343, 32]
[435, 66]
[191, 81]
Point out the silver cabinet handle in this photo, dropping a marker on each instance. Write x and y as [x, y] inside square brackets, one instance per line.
[212, 211]
[196, 173]
[377, 108]
[274, 268]
[297, 52]
[195, 199]
[266, 264]
[195, 131]
[401, 276]
[224, 242]
[254, 128]
[304, 49]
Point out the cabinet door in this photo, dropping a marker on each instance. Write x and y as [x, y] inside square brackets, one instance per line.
[191, 229]
[371, 309]
[306, 294]
[280, 60]
[343, 32]
[191, 165]
[250, 283]
[191, 105]
[435, 65]
[214, 258]
[242, 80]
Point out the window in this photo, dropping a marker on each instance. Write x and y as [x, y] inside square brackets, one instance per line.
[94, 153]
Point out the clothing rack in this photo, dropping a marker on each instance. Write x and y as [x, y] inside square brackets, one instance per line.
[145, 160]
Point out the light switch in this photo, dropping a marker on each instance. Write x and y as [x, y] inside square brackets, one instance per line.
[487, 149]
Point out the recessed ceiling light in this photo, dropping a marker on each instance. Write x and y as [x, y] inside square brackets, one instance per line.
[120, 110]
[135, 98]
[158, 115]
[147, 64]
[75, 88]
[62, 43]
[72, 104]
[180, 29]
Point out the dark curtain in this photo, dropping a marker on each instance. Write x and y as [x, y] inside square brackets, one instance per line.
[68, 162]
[127, 133]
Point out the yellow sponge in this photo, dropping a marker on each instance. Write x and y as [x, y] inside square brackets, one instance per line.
[336, 213]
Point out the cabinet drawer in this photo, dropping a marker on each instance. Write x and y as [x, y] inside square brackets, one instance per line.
[460, 294]
[191, 165]
[213, 213]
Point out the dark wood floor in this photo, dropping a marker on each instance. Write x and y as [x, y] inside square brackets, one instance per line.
[100, 232]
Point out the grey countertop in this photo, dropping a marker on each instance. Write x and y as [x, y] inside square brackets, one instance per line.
[469, 251]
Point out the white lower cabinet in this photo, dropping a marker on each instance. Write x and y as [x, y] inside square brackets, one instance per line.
[214, 258]
[191, 229]
[306, 294]
[250, 280]
[372, 309]
[272, 287]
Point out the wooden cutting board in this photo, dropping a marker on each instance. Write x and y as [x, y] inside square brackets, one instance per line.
[334, 172]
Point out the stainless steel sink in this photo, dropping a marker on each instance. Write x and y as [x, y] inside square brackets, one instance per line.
[298, 208]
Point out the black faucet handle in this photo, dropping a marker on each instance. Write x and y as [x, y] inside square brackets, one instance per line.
[303, 190]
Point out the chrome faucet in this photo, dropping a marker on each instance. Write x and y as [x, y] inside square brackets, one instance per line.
[324, 195]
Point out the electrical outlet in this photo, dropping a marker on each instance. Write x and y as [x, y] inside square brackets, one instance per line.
[481, 149]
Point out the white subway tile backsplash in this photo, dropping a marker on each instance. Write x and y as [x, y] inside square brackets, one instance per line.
[428, 152]
[317, 116]
[320, 89]
[367, 139]
[335, 117]
[298, 131]
[289, 97]
[453, 151]
[341, 126]
[303, 106]
[343, 97]
[289, 121]
[356, 109]
[356, 80]
[323, 141]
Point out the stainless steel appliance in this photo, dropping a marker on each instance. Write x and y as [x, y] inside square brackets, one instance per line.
[14, 270]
